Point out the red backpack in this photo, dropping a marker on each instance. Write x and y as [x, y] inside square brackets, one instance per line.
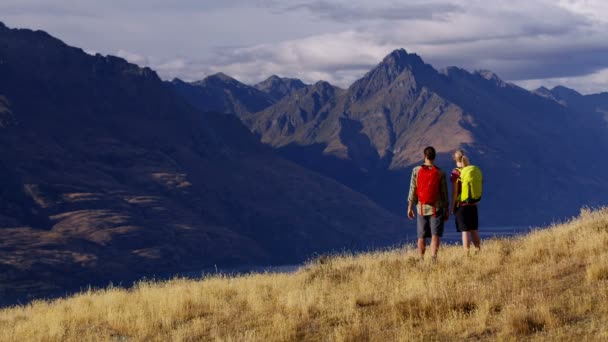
[427, 186]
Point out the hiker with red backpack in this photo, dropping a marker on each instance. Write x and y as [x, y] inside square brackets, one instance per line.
[429, 192]
[466, 182]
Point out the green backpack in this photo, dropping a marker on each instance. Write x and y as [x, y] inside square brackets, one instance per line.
[471, 184]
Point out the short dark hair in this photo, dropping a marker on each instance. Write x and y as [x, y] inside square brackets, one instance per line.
[429, 153]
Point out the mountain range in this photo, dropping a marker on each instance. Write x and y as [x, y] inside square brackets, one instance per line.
[532, 146]
[107, 175]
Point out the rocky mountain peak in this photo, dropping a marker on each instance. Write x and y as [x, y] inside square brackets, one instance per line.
[387, 71]
[219, 77]
[273, 79]
[177, 80]
[278, 87]
[542, 90]
[400, 59]
[565, 92]
[546, 93]
[491, 76]
[323, 85]
[453, 71]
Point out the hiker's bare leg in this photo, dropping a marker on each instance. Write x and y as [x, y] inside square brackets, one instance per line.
[421, 247]
[466, 242]
[435, 245]
[476, 239]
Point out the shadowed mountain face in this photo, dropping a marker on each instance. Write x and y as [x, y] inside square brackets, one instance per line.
[223, 94]
[106, 174]
[370, 135]
[594, 103]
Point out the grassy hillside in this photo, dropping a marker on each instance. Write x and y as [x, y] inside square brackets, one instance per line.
[551, 284]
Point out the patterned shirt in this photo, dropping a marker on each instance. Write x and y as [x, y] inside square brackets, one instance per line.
[442, 201]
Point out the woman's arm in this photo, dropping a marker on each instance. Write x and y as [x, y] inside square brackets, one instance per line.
[454, 198]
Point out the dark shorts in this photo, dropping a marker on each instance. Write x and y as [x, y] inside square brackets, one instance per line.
[430, 225]
[466, 218]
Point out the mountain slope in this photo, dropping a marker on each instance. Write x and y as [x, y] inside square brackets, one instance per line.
[107, 175]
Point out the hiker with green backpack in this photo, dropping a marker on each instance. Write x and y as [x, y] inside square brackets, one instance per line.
[466, 182]
[429, 192]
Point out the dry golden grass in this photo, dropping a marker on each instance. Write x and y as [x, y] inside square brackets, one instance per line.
[550, 285]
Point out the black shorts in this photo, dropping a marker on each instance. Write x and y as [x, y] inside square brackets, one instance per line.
[466, 218]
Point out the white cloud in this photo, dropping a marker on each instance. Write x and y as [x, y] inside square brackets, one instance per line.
[595, 9]
[357, 10]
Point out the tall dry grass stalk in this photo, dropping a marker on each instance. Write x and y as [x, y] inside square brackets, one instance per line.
[551, 284]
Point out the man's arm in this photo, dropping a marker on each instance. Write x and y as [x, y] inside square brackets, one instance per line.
[412, 198]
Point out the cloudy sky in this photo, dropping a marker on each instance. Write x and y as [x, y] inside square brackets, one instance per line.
[528, 42]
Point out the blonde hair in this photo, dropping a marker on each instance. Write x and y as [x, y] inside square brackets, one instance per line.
[460, 158]
[458, 155]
